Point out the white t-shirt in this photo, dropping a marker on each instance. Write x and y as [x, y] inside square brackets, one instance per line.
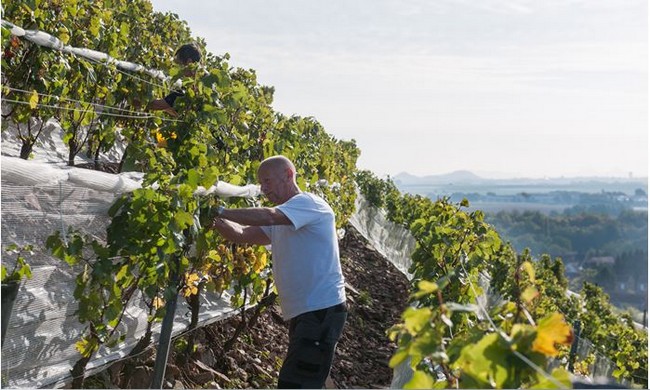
[306, 266]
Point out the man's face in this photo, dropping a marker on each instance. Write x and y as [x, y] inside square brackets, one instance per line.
[273, 184]
[188, 71]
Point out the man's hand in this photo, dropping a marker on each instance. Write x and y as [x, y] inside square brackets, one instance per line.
[237, 233]
[161, 105]
[218, 223]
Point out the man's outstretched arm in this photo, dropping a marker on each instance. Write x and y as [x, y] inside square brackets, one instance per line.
[255, 216]
[239, 234]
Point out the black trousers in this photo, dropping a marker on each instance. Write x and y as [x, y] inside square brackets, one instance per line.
[312, 342]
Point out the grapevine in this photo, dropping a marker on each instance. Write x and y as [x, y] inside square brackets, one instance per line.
[451, 336]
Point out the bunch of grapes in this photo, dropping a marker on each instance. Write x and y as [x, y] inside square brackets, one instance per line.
[225, 265]
[220, 269]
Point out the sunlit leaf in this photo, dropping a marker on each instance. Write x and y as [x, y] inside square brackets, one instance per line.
[122, 272]
[193, 178]
[398, 357]
[559, 379]
[552, 330]
[158, 303]
[529, 294]
[529, 269]
[183, 219]
[33, 100]
[416, 319]
[86, 346]
[425, 287]
[485, 364]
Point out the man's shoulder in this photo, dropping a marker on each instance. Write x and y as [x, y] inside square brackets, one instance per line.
[300, 197]
[307, 201]
[311, 197]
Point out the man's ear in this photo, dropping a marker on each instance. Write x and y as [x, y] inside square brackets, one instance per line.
[290, 173]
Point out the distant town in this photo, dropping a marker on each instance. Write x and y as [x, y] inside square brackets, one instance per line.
[550, 195]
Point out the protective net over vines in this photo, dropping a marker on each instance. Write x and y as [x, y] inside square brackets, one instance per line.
[38, 198]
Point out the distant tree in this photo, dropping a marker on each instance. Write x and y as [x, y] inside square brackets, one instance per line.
[606, 278]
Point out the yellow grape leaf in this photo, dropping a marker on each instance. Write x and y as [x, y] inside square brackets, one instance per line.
[530, 270]
[552, 330]
[529, 294]
[416, 319]
[158, 303]
[160, 140]
[190, 290]
[214, 255]
[86, 347]
[425, 288]
[64, 37]
[191, 278]
[33, 100]
[206, 268]
[260, 263]
[398, 358]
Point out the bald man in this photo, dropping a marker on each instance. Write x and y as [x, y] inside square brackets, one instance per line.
[306, 268]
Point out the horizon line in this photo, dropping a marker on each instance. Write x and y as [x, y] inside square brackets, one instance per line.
[506, 175]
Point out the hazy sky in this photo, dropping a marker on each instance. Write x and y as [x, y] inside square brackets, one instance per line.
[521, 87]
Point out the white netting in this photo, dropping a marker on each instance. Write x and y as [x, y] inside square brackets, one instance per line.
[396, 244]
[47, 40]
[393, 241]
[38, 198]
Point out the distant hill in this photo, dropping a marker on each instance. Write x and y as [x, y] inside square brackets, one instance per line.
[468, 178]
[465, 177]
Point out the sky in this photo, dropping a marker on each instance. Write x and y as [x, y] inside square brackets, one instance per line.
[501, 88]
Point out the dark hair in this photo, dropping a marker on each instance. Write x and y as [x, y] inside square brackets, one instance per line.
[188, 52]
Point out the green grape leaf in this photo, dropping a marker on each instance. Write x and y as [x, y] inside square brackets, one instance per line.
[183, 219]
[562, 380]
[485, 364]
[399, 356]
[416, 319]
[33, 100]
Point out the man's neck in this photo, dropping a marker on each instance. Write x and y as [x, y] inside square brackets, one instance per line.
[294, 191]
